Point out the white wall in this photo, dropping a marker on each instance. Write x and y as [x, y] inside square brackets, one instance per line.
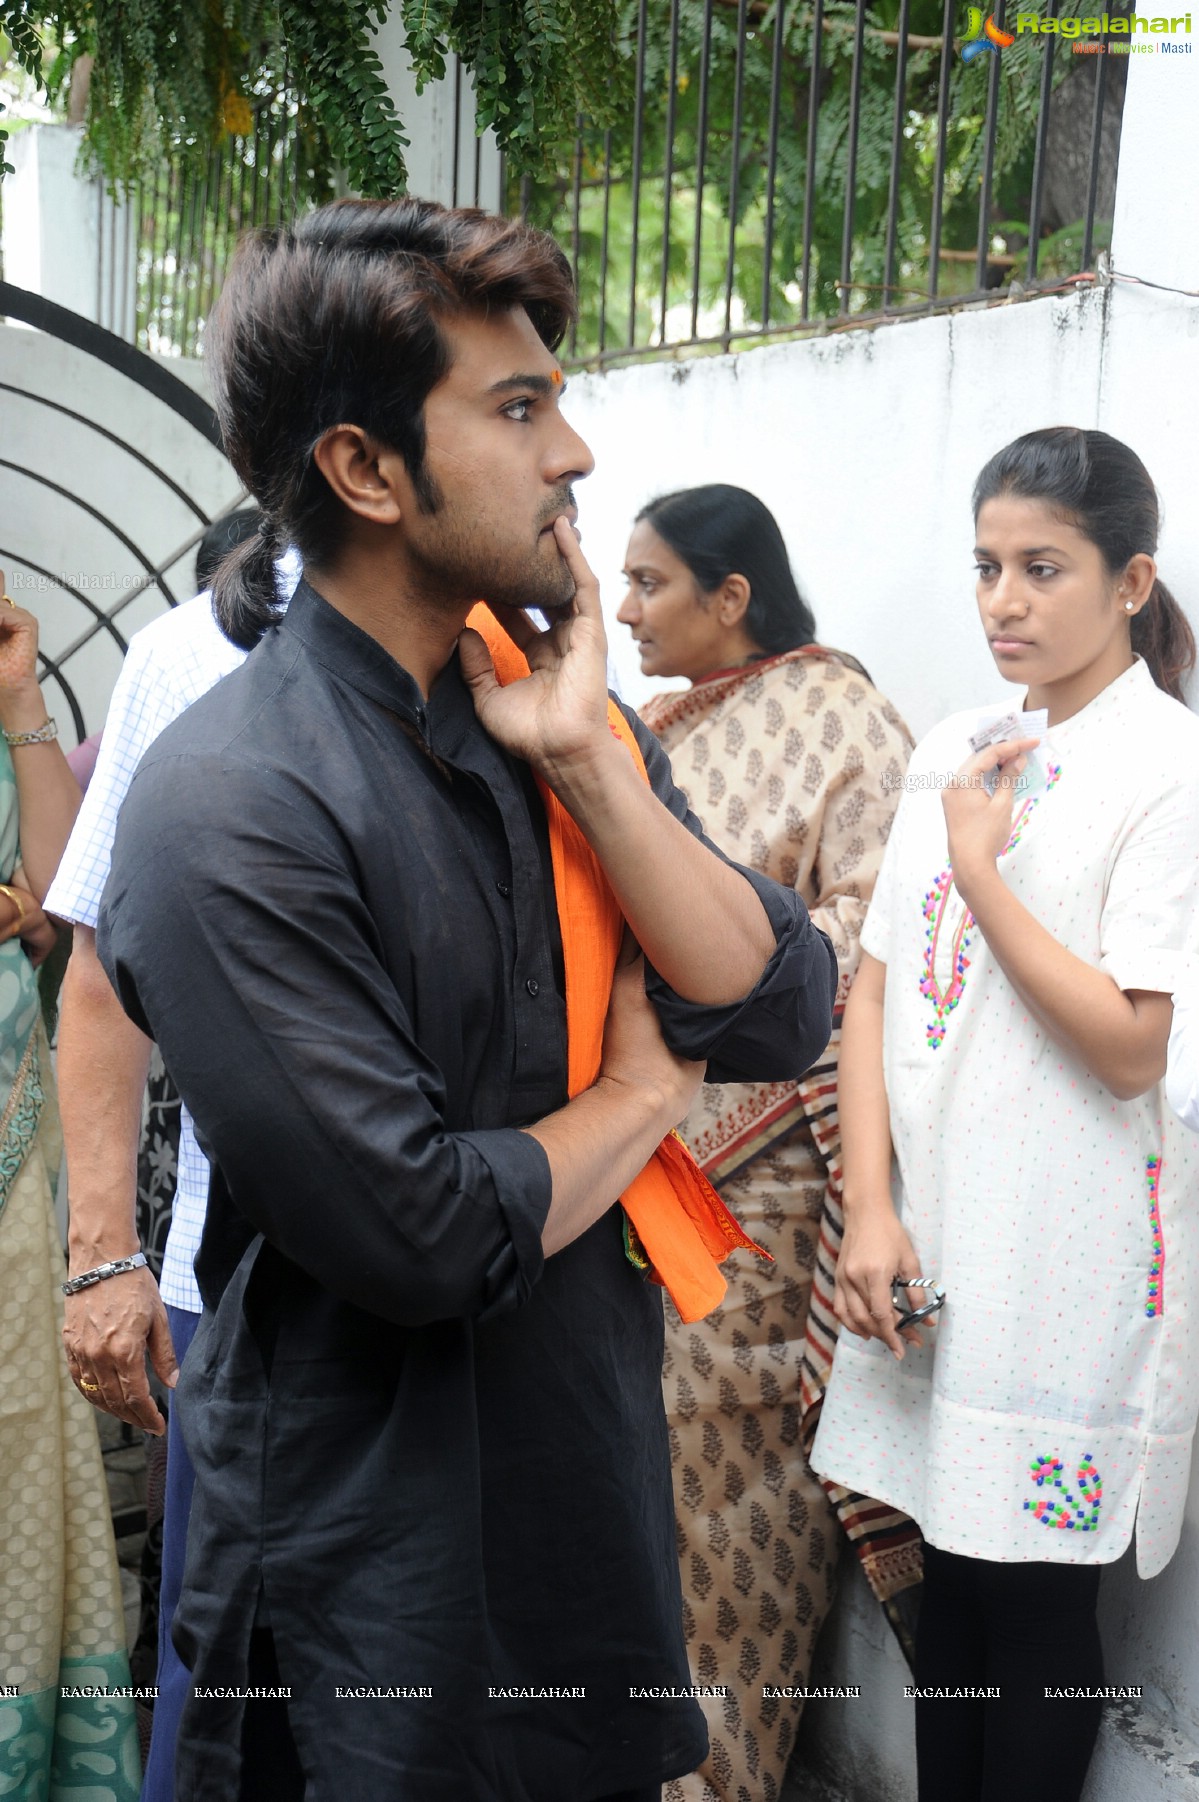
[63, 236]
[865, 445]
[438, 167]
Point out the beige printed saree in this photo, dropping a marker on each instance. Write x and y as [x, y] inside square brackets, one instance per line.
[794, 765]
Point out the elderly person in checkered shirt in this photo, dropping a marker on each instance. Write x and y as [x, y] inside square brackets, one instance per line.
[103, 1061]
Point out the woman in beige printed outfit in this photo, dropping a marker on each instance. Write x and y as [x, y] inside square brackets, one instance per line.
[793, 760]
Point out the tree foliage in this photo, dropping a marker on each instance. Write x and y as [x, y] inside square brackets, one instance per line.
[734, 211]
[178, 81]
[169, 77]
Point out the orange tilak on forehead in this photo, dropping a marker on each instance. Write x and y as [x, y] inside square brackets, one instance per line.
[556, 377]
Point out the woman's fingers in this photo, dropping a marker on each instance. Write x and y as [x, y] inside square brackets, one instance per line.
[863, 1299]
[855, 1301]
[882, 1312]
[996, 757]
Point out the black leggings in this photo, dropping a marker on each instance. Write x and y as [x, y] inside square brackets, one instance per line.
[1019, 1628]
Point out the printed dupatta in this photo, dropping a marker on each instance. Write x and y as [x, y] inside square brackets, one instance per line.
[767, 1112]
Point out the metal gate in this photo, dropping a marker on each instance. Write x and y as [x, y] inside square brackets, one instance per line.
[110, 471]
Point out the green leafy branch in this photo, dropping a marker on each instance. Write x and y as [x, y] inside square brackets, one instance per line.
[170, 78]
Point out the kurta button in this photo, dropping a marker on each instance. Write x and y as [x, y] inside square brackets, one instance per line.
[532, 985]
[505, 890]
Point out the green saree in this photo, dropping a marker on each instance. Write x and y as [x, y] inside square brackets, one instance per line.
[65, 1735]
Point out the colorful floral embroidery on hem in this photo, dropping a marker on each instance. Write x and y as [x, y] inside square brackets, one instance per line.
[1066, 1514]
[935, 903]
[1156, 1302]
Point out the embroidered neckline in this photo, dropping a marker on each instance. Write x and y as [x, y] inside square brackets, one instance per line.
[935, 903]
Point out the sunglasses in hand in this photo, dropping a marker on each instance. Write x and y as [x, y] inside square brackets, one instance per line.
[912, 1316]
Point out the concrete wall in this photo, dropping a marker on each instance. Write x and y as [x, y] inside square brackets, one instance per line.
[63, 235]
[865, 445]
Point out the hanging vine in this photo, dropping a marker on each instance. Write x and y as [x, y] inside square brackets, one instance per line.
[169, 77]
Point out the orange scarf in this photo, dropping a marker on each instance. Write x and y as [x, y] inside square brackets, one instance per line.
[677, 1227]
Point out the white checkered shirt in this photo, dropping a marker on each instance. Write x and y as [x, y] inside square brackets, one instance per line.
[170, 663]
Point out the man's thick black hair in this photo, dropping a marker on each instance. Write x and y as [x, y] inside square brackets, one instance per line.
[336, 320]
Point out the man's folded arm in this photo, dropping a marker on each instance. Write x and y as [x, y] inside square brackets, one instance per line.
[777, 1031]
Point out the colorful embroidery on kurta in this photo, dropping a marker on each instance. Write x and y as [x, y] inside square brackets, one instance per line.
[935, 902]
[1067, 1513]
[1156, 1302]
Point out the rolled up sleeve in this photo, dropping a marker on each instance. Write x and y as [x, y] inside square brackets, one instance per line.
[292, 1047]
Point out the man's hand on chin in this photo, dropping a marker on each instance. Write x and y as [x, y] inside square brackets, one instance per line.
[557, 717]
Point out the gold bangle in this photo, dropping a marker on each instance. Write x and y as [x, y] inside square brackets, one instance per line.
[7, 889]
[41, 735]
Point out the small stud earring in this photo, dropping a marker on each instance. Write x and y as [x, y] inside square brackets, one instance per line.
[1128, 607]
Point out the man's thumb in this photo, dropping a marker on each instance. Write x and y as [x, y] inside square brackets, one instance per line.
[475, 662]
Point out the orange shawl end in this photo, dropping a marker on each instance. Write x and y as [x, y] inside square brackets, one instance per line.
[678, 1221]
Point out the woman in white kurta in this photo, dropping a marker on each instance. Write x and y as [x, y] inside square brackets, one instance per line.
[1006, 1037]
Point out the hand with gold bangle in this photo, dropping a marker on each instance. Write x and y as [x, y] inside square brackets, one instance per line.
[14, 895]
[27, 922]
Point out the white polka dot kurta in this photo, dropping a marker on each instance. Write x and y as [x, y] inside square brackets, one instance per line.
[1054, 1405]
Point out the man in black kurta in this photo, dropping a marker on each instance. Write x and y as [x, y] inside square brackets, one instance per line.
[432, 1474]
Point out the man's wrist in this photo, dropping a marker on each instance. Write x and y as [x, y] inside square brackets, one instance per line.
[108, 1254]
[660, 1105]
[89, 1245]
[583, 779]
[101, 1273]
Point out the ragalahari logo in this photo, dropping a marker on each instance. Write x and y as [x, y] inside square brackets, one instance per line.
[985, 36]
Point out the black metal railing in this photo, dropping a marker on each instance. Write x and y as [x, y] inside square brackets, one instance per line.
[784, 166]
[101, 619]
[188, 222]
[795, 167]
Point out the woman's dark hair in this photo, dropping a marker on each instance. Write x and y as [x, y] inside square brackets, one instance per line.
[336, 320]
[720, 531]
[1098, 484]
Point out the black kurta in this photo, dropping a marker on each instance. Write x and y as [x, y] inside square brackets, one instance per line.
[432, 1460]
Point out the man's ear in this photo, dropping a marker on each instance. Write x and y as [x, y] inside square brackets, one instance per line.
[733, 601]
[364, 476]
